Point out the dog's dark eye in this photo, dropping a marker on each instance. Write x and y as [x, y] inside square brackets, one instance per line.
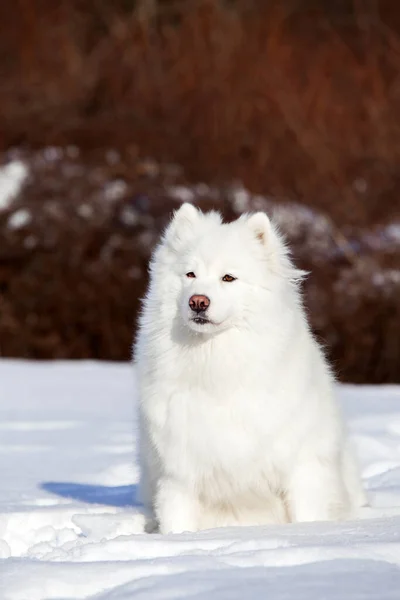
[191, 275]
[228, 278]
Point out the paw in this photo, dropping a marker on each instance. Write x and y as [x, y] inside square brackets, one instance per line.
[177, 509]
[174, 528]
[151, 526]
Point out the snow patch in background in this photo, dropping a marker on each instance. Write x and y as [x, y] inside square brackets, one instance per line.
[12, 177]
[19, 219]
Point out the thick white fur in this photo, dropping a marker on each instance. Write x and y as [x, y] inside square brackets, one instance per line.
[239, 423]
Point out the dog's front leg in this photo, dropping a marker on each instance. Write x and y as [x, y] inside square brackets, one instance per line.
[317, 492]
[177, 510]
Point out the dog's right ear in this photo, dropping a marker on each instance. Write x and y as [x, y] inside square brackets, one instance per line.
[181, 228]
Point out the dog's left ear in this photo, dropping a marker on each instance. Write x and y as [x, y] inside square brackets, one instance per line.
[260, 224]
[277, 250]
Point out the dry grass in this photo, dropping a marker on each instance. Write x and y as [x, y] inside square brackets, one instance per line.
[301, 104]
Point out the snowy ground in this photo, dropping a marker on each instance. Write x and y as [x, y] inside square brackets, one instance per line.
[69, 526]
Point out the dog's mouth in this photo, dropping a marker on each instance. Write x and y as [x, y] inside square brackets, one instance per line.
[201, 321]
[202, 324]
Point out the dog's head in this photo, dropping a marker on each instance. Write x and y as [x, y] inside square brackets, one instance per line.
[219, 275]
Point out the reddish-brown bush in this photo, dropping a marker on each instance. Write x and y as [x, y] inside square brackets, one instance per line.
[76, 242]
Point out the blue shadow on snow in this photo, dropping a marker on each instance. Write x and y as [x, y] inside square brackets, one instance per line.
[119, 496]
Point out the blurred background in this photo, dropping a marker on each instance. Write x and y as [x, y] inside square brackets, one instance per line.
[112, 112]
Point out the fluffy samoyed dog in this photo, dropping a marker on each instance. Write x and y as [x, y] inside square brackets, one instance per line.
[238, 417]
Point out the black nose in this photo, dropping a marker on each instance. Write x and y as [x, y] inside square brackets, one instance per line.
[199, 303]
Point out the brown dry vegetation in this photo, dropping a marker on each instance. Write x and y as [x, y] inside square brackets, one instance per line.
[295, 103]
[299, 100]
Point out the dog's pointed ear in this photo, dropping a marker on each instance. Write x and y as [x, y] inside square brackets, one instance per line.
[277, 250]
[185, 216]
[182, 225]
[261, 226]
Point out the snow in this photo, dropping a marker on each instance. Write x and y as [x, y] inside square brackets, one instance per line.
[20, 218]
[181, 193]
[114, 190]
[393, 232]
[70, 526]
[12, 177]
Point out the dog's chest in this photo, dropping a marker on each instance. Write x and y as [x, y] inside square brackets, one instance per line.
[202, 435]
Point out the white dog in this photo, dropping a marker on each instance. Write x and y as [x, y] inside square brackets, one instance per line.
[239, 423]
